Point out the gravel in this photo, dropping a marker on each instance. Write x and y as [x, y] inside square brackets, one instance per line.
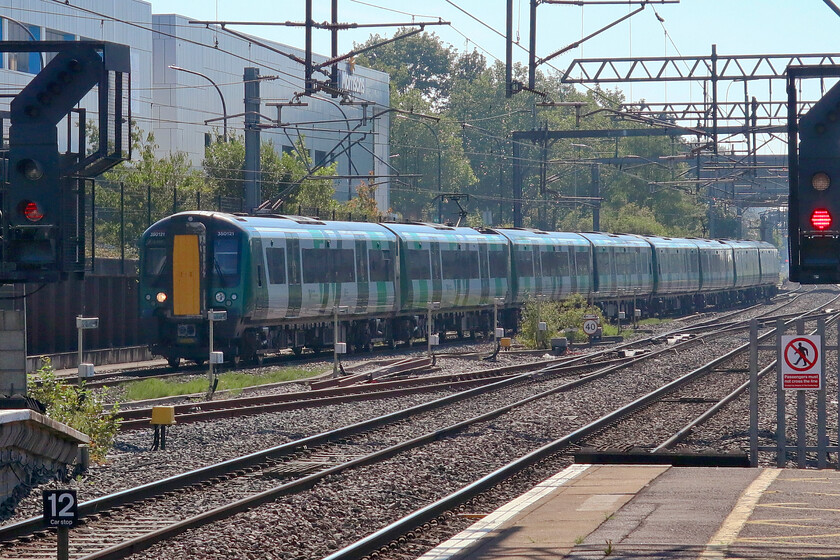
[350, 505]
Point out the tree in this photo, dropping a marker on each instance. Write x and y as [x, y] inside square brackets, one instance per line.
[420, 62]
[152, 187]
[283, 176]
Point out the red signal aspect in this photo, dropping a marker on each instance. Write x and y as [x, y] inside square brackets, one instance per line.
[820, 219]
[32, 211]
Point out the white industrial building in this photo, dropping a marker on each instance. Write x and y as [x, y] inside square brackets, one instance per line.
[184, 107]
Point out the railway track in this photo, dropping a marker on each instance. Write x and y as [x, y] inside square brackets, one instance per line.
[293, 460]
[388, 542]
[138, 418]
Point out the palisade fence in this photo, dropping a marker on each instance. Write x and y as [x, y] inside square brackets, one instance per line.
[119, 214]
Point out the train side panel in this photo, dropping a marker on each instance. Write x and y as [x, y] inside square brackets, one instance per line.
[461, 268]
[552, 265]
[622, 265]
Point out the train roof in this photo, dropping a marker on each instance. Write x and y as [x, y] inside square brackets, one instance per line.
[281, 223]
[669, 242]
[442, 233]
[526, 236]
[606, 239]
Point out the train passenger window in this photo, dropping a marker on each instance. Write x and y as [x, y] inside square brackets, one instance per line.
[417, 264]
[380, 265]
[343, 267]
[325, 265]
[582, 263]
[498, 264]
[276, 258]
[525, 262]
[226, 260]
[459, 265]
[315, 267]
[550, 264]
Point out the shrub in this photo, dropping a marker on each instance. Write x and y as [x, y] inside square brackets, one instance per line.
[559, 316]
[78, 408]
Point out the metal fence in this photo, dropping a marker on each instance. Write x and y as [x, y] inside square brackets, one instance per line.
[119, 215]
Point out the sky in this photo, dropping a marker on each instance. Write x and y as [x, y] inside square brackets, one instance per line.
[686, 28]
[689, 28]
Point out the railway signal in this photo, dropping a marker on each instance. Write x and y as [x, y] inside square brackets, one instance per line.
[42, 200]
[814, 210]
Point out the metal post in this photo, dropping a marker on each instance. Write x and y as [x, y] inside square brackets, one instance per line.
[714, 79]
[309, 87]
[754, 392]
[210, 361]
[781, 438]
[335, 341]
[122, 227]
[252, 138]
[429, 328]
[517, 186]
[532, 48]
[81, 339]
[801, 433]
[509, 50]
[822, 436]
[596, 194]
[63, 549]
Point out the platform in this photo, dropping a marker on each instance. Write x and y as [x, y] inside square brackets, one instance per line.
[589, 512]
[33, 449]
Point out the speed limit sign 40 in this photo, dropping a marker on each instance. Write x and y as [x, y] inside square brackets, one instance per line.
[590, 326]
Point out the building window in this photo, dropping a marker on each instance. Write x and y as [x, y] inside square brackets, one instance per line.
[53, 35]
[26, 61]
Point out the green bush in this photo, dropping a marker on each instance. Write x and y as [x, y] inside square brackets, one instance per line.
[78, 408]
[562, 318]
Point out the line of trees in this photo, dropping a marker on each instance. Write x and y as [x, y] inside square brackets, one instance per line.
[476, 121]
[467, 149]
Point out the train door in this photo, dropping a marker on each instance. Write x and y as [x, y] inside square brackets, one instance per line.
[188, 249]
[363, 295]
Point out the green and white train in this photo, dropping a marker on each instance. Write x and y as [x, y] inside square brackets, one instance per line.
[282, 279]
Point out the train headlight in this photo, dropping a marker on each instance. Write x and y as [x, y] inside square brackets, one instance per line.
[160, 297]
[220, 297]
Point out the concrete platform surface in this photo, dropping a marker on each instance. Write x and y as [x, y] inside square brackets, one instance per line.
[589, 512]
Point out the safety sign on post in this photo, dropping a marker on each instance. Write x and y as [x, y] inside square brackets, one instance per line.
[801, 367]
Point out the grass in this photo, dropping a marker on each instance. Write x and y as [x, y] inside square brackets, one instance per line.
[232, 381]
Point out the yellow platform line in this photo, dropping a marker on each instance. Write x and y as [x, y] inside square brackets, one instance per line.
[737, 518]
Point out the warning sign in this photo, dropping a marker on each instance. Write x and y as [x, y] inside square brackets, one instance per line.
[801, 362]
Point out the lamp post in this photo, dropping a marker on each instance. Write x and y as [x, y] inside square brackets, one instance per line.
[222, 97]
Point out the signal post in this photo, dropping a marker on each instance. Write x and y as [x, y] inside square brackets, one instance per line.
[814, 175]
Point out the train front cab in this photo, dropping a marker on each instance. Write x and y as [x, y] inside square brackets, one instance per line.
[190, 263]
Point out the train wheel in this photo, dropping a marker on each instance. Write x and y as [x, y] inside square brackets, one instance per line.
[199, 363]
[260, 359]
[297, 350]
[392, 343]
[174, 363]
